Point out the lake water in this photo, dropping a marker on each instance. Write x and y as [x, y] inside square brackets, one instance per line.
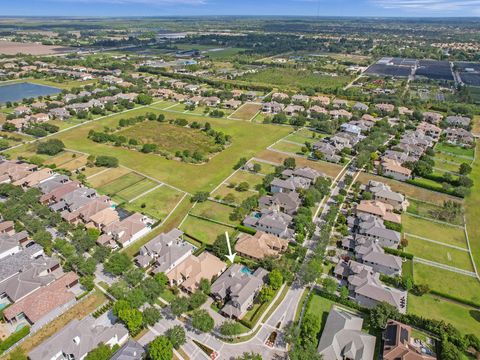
[19, 91]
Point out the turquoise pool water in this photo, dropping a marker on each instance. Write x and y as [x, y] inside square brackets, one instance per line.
[246, 270]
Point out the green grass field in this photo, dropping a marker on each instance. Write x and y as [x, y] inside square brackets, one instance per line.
[424, 209]
[472, 212]
[204, 230]
[439, 253]
[121, 183]
[246, 111]
[156, 204]
[439, 232]
[136, 189]
[245, 176]
[292, 78]
[239, 196]
[215, 211]
[106, 177]
[466, 319]
[248, 140]
[288, 147]
[456, 150]
[452, 158]
[448, 282]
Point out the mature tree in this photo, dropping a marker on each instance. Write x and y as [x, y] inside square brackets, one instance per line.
[176, 335]
[160, 349]
[275, 279]
[151, 315]
[307, 352]
[344, 292]
[136, 298]
[465, 169]
[132, 318]
[88, 282]
[202, 321]
[230, 327]
[197, 299]
[134, 276]
[450, 351]
[118, 263]
[152, 289]
[310, 328]
[106, 161]
[290, 163]
[102, 352]
[50, 147]
[179, 305]
[266, 294]
[329, 285]
[380, 314]
[200, 196]
[257, 167]
[205, 286]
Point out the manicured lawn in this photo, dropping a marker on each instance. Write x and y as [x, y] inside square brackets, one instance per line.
[446, 165]
[451, 158]
[136, 189]
[327, 168]
[426, 209]
[245, 176]
[248, 140]
[246, 111]
[411, 191]
[448, 282]
[288, 147]
[439, 253]
[305, 135]
[121, 183]
[203, 230]
[457, 150]
[439, 232]
[466, 319]
[156, 204]
[103, 178]
[215, 211]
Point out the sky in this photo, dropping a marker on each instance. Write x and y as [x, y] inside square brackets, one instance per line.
[387, 8]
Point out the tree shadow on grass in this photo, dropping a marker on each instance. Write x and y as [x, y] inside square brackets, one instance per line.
[475, 314]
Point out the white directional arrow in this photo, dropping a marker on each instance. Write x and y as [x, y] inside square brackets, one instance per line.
[230, 256]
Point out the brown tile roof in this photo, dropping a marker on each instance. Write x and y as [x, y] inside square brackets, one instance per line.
[260, 245]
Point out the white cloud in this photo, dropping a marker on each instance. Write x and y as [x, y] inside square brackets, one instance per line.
[433, 5]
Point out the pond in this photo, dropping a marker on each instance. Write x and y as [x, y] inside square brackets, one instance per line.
[19, 91]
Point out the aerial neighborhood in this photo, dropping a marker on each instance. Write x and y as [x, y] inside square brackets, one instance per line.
[239, 188]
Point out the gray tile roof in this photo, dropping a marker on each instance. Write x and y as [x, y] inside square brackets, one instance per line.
[131, 350]
[13, 264]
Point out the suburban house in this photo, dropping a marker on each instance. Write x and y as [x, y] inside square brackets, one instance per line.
[236, 288]
[279, 96]
[343, 338]
[382, 192]
[459, 136]
[379, 209]
[328, 151]
[232, 104]
[341, 113]
[458, 121]
[398, 344]
[271, 222]
[366, 288]
[166, 250]
[7, 227]
[41, 302]
[370, 253]
[292, 110]
[432, 117]
[351, 129]
[11, 242]
[303, 172]
[299, 98]
[360, 107]
[189, 272]
[430, 130]
[103, 219]
[385, 108]
[394, 169]
[34, 178]
[323, 100]
[293, 183]
[260, 245]
[131, 350]
[272, 107]
[372, 227]
[128, 230]
[77, 339]
[287, 203]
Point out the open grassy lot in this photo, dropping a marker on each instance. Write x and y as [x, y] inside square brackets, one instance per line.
[224, 53]
[248, 140]
[425, 209]
[61, 158]
[121, 183]
[156, 204]
[411, 191]
[472, 211]
[445, 165]
[327, 168]
[439, 253]
[265, 167]
[239, 196]
[245, 176]
[452, 158]
[106, 177]
[164, 104]
[203, 230]
[292, 78]
[435, 231]
[136, 189]
[170, 137]
[64, 84]
[456, 150]
[78, 311]
[246, 111]
[75, 163]
[448, 282]
[61, 124]
[215, 211]
[466, 319]
[91, 171]
[288, 147]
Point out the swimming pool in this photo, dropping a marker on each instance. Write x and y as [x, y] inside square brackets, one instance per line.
[246, 270]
